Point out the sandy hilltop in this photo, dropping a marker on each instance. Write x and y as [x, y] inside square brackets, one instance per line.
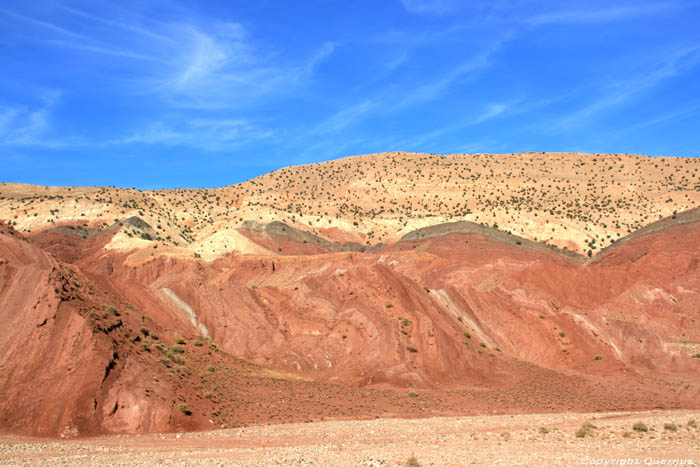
[582, 202]
[388, 285]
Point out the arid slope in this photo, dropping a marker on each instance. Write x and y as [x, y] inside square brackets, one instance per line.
[579, 201]
[258, 315]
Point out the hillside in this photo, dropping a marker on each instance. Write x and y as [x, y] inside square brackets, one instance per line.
[579, 201]
[471, 321]
[132, 311]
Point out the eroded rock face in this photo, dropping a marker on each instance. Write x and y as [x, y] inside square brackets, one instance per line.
[91, 335]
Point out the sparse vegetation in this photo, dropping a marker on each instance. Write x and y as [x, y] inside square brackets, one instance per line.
[184, 409]
[412, 462]
[585, 430]
[640, 427]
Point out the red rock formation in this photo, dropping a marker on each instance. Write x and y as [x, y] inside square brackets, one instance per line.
[477, 322]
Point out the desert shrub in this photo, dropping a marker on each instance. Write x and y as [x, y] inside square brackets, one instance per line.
[412, 462]
[211, 369]
[641, 427]
[585, 430]
[411, 349]
[183, 408]
[412, 394]
[543, 430]
[197, 343]
[208, 394]
[467, 335]
[180, 341]
[180, 360]
[670, 426]
[692, 424]
[176, 348]
[598, 357]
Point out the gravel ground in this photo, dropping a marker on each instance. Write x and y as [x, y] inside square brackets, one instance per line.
[527, 440]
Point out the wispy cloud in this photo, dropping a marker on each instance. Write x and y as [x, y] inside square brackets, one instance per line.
[619, 91]
[202, 133]
[344, 118]
[101, 50]
[223, 68]
[394, 98]
[489, 112]
[613, 13]
[131, 27]
[44, 24]
[195, 65]
[463, 71]
[30, 126]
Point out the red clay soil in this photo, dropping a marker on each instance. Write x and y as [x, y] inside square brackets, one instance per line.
[456, 324]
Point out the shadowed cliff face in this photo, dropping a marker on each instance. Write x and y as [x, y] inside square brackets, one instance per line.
[88, 339]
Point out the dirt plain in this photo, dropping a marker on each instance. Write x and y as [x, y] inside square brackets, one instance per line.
[672, 438]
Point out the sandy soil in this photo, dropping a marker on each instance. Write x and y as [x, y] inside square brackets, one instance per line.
[581, 201]
[530, 440]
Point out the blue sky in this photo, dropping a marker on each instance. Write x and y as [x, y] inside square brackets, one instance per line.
[165, 93]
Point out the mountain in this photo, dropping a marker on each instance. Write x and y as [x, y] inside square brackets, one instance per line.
[253, 319]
